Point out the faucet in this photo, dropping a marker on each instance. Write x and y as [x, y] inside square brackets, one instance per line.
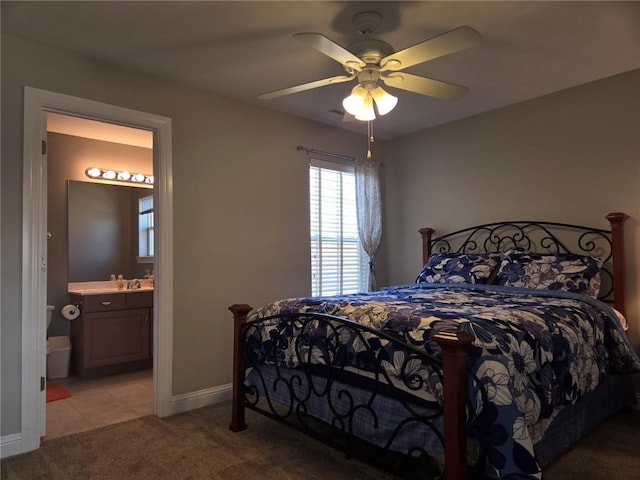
[133, 284]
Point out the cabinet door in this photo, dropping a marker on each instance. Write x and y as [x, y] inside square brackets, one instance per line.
[116, 337]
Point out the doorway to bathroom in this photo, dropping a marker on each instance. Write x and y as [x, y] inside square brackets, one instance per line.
[99, 180]
[37, 104]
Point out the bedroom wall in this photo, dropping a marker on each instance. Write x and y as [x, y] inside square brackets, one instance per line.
[240, 205]
[572, 157]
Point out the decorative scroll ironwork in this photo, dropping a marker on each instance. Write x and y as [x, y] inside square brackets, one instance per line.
[298, 361]
[538, 237]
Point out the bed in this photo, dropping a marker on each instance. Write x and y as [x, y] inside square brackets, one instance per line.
[508, 347]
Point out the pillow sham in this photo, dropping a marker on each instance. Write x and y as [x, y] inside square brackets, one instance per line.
[459, 268]
[563, 271]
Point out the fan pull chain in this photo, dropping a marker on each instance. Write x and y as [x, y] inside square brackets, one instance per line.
[370, 138]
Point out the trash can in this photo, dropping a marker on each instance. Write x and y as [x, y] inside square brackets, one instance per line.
[58, 357]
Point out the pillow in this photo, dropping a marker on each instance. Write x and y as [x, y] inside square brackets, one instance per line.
[562, 271]
[459, 268]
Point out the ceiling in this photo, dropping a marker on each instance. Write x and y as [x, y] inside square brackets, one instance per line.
[242, 49]
[108, 132]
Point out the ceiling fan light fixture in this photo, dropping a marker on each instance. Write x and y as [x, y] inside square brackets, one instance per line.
[355, 102]
[366, 113]
[384, 100]
[371, 60]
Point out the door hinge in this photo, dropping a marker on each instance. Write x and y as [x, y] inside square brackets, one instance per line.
[42, 384]
[44, 147]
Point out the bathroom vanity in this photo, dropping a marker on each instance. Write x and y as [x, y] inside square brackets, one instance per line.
[114, 332]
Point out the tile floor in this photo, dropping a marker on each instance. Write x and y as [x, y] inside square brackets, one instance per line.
[98, 402]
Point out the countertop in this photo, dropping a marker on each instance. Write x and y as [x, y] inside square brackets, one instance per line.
[102, 288]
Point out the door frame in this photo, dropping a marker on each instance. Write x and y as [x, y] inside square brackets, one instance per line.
[37, 103]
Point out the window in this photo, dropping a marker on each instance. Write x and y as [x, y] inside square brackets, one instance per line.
[338, 262]
[145, 229]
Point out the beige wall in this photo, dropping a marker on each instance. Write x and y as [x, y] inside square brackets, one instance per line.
[571, 157]
[240, 205]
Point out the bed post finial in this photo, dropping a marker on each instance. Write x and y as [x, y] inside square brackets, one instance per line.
[617, 219]
[240, 312]
[426, 243]
[454, 360]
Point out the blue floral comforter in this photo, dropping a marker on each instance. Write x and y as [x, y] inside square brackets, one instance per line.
[533, 351]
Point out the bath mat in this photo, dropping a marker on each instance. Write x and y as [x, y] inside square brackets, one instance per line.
[56, 392]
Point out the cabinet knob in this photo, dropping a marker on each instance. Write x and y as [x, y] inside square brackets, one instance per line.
[106, 302]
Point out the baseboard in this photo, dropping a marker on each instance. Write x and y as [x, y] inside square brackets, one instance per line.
[200, 398]
[10, 445]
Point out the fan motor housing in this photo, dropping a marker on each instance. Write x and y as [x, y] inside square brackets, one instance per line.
[371, 50]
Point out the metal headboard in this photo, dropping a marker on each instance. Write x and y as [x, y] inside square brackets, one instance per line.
[543, 237]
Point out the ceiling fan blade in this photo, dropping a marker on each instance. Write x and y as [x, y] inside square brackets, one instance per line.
[306, 86]
[424, 86]
[330, 49]
[450, 42]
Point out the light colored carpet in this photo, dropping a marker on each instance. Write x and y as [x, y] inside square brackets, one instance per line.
[199, 445]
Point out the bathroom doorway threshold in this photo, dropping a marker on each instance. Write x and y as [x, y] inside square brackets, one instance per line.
[34, 252]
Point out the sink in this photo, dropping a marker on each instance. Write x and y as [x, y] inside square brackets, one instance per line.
[141, 289]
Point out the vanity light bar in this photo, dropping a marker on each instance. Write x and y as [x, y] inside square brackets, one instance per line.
[121, 176]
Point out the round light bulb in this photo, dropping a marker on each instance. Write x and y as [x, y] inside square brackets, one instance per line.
[93, 172]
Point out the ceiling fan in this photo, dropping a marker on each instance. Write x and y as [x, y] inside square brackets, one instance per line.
[372, 60]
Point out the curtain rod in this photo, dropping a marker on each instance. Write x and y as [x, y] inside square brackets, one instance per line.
[328, 154]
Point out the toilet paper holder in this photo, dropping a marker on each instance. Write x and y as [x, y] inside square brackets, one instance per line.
[70, 312]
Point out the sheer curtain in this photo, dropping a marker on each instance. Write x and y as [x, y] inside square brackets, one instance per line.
[369, 211]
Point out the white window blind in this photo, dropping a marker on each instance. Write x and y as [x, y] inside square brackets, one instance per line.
[338, 263]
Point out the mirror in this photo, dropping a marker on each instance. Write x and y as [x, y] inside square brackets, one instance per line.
[103, 231]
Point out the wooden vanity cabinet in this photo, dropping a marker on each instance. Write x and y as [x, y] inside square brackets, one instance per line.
[113, 333]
